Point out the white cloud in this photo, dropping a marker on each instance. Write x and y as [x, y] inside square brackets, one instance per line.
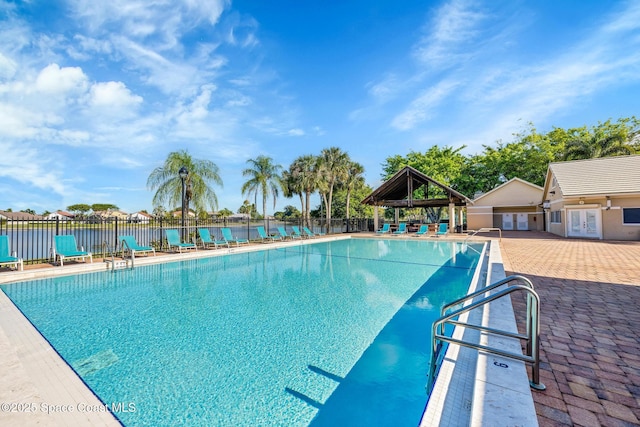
[113, 94]
[296, 132]
[55, 80]
[453, 27]
[422, 107]
[166, 20]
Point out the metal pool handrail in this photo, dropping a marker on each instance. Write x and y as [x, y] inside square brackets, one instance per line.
[532, 335]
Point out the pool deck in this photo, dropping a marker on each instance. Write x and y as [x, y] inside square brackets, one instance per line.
[590, 337]
[590, 326]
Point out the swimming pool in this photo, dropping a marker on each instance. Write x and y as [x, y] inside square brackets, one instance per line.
[329, 333]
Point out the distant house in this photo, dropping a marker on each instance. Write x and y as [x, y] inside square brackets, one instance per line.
[19, 216]
[595, 199]
[178, 214]
[139, 217]
[61, 215]
[239, 217]
[110, 214]
[514, 205]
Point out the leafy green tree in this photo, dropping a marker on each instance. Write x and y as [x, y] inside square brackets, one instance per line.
[288, 213]
[79, 208]
[247, 208]
[264, 179]
[356, 210]
[99, 207]
[223, 213]
[29, 211]
[166, 181]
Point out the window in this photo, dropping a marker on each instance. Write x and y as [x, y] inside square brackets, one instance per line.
[631, 216]
[556, 217]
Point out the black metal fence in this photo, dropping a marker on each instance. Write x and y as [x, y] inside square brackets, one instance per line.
[32, 240]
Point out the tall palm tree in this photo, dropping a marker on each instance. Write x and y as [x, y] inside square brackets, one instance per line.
[353, 180]
[291, 186]
[304, 173]
[264, 179]
[166, 181]
[332, 170]
[596, 145]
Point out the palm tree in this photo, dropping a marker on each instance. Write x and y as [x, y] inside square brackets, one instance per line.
[264, 179]
[304, 174]
[166, 181]
[291, 186]
[353, 180]
[596, 145]
[332, 170]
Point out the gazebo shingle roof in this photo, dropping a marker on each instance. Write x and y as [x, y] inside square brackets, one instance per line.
[398, 191]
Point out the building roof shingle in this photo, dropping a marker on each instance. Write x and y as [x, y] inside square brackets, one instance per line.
[603, 176]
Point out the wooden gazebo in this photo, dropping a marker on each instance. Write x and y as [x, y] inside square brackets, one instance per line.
[398, 192]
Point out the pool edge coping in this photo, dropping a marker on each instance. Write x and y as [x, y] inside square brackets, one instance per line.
[495, 395]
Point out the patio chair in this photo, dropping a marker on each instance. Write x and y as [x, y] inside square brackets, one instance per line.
[65, 247]
[296, 232]
[402, 228]
[6, 257]
[285, 235]
[443, 229]
[385, 229]
[264, 237]
[226, 235]
[129, 243]
[424, 229]
[205, 238]
[310, 233]
[173, 239]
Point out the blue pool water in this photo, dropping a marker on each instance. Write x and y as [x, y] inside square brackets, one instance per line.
[332, 333]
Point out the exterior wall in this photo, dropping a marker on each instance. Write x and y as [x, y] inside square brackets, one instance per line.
[479, 217]
[513, 193]
[612, 227]
[513, 197]
[535, 221]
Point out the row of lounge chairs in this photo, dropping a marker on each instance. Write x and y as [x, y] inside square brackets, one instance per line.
[66, 248]
[443, 229]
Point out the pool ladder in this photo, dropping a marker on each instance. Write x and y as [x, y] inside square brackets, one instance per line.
[115, 264]
[532, 335]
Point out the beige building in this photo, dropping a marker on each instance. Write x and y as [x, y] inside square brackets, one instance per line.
[595, 199]
[514, 205]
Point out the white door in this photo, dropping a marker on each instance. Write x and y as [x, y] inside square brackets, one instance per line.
[584, 223]
[507, 221]
[523, 221]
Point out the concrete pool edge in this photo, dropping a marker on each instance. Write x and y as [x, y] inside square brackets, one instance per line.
[475, 388]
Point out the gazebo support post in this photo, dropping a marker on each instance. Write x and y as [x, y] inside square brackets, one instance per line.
[376, 224]
[452, 217]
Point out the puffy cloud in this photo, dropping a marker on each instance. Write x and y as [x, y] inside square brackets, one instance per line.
[113, 94]
[55, 80]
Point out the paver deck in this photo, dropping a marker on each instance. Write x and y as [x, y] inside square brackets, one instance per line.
[590, 326]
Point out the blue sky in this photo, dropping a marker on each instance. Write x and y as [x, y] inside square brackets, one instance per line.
[95, 94]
